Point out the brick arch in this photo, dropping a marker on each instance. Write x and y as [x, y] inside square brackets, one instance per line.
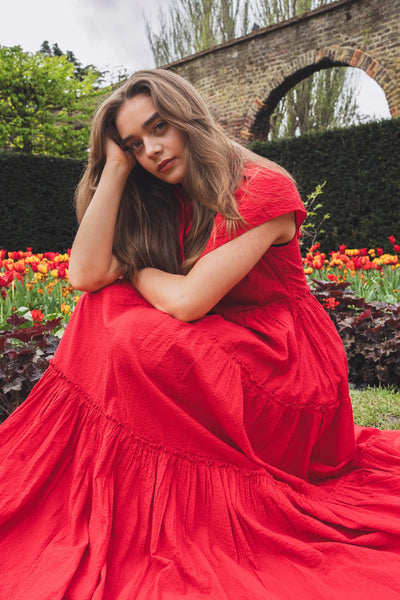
[237, 78]
[256, 122]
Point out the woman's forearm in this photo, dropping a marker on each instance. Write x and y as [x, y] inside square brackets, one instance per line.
[164, 291]
[91, 262]
[189, 297]
[184, 297]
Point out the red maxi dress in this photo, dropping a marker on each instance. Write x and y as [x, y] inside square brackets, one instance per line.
[217, 459]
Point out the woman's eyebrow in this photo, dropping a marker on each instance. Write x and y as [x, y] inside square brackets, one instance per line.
[150, 120]
[145, 124]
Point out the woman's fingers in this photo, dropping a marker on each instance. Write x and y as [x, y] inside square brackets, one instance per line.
[117, 154]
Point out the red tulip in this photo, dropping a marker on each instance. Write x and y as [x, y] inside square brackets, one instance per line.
[37, 315]
[19, 267]
[16, 255]
[61, 270]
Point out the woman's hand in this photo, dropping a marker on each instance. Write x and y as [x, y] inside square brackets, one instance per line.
[116, 155]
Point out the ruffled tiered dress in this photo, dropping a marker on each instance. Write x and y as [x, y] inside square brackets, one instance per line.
[158, 459]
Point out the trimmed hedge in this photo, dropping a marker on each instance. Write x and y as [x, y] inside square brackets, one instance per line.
[361, 167]
[36, 199]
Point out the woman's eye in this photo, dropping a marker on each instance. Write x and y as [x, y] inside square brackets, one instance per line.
[135, 146]
[160, 126]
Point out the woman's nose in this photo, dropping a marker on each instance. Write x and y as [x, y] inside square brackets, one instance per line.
[153, 147]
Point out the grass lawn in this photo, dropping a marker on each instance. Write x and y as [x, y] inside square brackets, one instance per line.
[376, 407]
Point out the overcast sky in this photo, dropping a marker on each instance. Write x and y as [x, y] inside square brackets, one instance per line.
[109, 33]
[100, 32]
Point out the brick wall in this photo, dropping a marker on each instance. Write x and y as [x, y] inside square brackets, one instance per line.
[243, 80]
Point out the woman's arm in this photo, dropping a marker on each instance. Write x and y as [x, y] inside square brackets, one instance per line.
[189, 297]
[92, 264]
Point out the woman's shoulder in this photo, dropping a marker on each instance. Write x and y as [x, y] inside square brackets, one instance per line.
[263, 194]
[260, 180]
[266, 193]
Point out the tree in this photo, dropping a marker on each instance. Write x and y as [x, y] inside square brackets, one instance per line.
[322, 101]
[44, 106]
[275, 11]
[79, 71]
[189, 26]
[107, 77]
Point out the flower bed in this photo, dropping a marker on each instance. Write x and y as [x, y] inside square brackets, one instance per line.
[36, 303]
[359, 288]
[372, 274]
[36, 286]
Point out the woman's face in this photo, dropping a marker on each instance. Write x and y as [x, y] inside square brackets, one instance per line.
[156, 144]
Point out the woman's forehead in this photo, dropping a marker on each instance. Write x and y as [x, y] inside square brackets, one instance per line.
[135, 115]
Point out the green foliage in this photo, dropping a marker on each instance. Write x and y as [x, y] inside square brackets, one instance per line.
[48, 296]
[80, 72]
[36, 199]
[275, 11]
[375, 285]
[370, 333]
[361, 167]
[323, 100]
[44, 106]
[312, 228]
[189, 26]
[359, 164]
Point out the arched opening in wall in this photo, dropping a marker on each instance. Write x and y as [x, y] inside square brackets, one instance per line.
[320, 97]
[371, 98]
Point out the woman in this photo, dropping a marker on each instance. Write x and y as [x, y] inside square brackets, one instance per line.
[193, 436]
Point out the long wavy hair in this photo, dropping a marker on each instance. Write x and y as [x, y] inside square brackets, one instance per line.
[147, 227]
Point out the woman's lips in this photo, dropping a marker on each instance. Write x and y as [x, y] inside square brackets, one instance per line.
[165, 164]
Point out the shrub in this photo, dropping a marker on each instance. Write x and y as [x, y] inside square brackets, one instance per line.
[370, 332]
[25, 351]
[361, 167]
[36, 198]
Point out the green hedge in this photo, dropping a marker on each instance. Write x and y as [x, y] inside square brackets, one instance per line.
[361, 166]
[36, 199]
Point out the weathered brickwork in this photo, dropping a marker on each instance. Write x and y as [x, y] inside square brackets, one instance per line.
[243, 80]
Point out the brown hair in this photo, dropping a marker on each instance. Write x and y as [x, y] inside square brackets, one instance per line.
[146, 232]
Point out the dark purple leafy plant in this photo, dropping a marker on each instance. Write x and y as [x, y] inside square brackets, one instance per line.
[24, 356]
[370, 333]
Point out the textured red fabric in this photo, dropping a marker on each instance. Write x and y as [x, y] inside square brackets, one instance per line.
[217, 459]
